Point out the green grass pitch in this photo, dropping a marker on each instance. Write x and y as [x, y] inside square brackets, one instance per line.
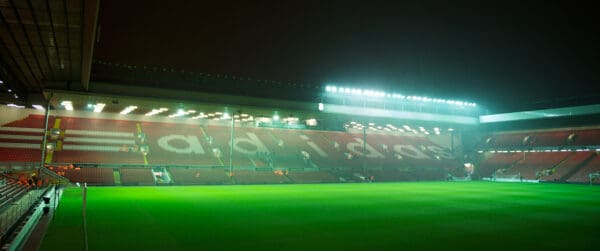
[377, 216]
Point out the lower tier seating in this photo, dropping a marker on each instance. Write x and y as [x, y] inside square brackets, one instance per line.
[258, 177]
[136, 176]
[312, 177]
[194, 176]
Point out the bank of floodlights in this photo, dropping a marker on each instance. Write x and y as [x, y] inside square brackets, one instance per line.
[380, 94]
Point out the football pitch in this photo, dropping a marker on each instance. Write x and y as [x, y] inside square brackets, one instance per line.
[377, 216]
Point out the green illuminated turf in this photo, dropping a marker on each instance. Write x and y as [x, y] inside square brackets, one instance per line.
[387, 216]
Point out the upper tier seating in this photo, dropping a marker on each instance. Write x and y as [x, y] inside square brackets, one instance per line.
[21, 140]
[567, 137]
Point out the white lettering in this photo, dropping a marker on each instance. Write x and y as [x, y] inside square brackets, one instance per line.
[193, 145]
[356, 148]
[410, 151]
[443, 153]
[252, 140]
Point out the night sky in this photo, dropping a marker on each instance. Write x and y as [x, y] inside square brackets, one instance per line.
[507, 56]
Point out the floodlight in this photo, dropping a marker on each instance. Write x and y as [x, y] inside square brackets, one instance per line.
[38, 107]
[156, 111]
[15, 106]
[321, 107]
[68, 105]
[311, 122]
[99, 107]
[128, 109]
[275, 117]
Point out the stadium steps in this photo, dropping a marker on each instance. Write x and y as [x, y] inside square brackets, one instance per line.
[117, 176]
[577, 168]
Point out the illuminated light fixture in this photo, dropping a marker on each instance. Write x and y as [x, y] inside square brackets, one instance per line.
[99, 107]
[38, 107]
[379, 127]
[450, 129]
[200, 116]
[422, 129]
[156, 111]
[236, 116]
[321, 107]
[68, 105]
[371, 124]
[226, 116]
[375, 93]
[291, 120]
[426, 133]
[244, 115]
[16, 96]
[275, 117]
[218, 113]
[15, 106]
[181, 112]
[128, 109]
[9, 90]
[251, 118]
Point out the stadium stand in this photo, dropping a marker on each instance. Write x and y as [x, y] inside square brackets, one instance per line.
[258, 177]
[196, 176]
[558, 138]
[20, 141]
[582, 175]
[571, 163]
[495, 161]
[11, 191]
[166, 139]
[312, 177]
[532, 164]
[91, 176]
[136, 176]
